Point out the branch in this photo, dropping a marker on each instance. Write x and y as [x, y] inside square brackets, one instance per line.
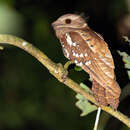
[57, 71]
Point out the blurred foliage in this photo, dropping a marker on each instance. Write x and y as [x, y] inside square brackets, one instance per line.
[126, 59]
[10, 20]
[30, 97]
[83, 104]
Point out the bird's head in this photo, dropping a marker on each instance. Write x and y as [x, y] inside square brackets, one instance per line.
[72, 21]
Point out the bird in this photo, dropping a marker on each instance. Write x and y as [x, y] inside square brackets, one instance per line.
[87, 49]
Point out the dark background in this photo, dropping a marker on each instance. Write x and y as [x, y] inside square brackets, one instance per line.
[30, 97]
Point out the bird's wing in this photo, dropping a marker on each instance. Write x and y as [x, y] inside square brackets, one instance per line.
[98, 46]
[91, 52]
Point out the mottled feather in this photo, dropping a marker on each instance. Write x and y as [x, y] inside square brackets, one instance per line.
[89, 50]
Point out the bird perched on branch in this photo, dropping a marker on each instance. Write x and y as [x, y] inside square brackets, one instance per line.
[89, 51]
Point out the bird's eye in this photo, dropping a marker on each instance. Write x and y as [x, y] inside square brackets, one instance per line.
[68, 21]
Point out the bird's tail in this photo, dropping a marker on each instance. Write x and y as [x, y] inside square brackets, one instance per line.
[104, 96]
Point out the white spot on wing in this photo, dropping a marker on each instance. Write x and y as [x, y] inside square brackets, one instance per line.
[77, 55]
[66, 53]
[74, 43]
[88, 62]
[63, 45]
[80, 64]
[68, 39]
[85, 54]
[73, 54]
[103, 59]
[81, 55]
[75, 61]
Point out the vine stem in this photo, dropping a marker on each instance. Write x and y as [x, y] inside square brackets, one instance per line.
[57, 71]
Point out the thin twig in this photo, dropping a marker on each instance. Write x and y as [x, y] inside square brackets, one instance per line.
[58, 71]
[97, 118]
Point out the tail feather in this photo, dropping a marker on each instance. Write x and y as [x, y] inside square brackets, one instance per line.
[113, 101]
[99, 93]
[103, 96]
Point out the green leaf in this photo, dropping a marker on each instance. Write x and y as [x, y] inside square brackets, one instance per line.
[124, 54]
[126, 60]
[83, 104]
[126, 39]
[126, 57]
[128, 74]
[77, 68]
[127, 66]
[86, 88]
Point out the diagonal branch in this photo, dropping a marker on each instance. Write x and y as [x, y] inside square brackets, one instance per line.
[57, 70]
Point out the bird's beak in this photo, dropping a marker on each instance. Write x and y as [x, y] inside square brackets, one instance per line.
[56, 25]
[53, 24]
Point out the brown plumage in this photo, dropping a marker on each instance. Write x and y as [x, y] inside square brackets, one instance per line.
[89, 51]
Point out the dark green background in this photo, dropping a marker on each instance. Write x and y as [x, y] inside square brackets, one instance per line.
[30, 97]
